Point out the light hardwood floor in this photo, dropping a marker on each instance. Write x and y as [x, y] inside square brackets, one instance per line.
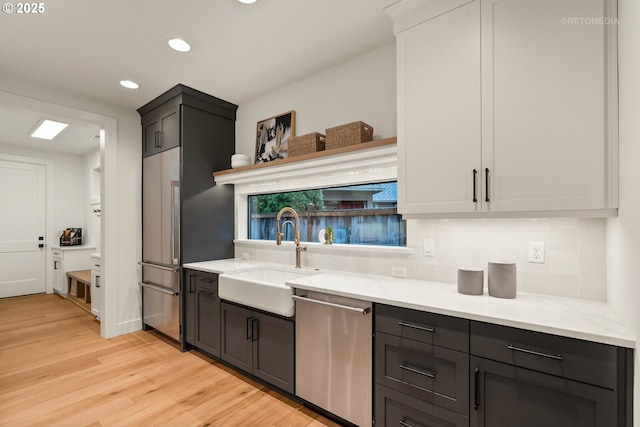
[56, 370]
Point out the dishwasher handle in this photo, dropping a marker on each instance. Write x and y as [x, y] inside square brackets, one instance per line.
[363, 311]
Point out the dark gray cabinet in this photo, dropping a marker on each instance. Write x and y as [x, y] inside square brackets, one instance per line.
[528, 379]
[201, 325]
[421, 368]
[188, 321]
[161, 131]
[186, 136]
[203, 126]
[207, 305]
[506, 395]
[236, 342]
[258, 343]
[395, 409]
[434, 370]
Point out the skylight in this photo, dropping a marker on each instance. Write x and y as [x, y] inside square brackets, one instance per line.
[48, 129]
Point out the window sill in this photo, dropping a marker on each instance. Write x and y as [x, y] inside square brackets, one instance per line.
[321, 248]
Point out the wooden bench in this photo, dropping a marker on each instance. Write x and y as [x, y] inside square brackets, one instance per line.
[79, 288]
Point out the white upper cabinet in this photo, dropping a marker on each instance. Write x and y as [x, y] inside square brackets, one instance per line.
[506, 107]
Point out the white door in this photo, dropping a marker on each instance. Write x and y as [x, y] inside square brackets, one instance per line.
[22, 222]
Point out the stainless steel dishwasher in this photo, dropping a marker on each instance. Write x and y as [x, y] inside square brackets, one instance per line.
[334, 354]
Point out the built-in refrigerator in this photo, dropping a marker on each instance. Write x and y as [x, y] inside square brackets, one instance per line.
[186, 136]
[161, 242]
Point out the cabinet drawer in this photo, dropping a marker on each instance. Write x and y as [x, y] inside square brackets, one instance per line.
[430, 328]
[57, 253]
[585, 361]
[206, 281]
[433, 374]
[394, 409]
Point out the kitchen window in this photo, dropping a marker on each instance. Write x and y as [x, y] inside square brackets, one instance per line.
[361, 214]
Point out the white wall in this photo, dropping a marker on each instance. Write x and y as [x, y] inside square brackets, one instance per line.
[365, 89]
[362, 89]
[623, 233]
[121, 196]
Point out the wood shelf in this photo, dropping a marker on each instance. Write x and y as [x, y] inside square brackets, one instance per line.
[311, 156]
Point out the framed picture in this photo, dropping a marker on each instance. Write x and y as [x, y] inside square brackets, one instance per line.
[272, 137]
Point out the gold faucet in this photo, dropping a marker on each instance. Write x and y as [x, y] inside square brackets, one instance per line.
[296, 238]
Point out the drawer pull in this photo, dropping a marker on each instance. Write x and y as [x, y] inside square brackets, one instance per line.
[535, 353]
[404, 423]
[418, 371]
[422, 328]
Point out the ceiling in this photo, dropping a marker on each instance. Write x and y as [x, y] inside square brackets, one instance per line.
[78, 138]
[239, 51]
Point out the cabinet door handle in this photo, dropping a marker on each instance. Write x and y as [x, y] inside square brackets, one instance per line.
[486, 184]
[421, 328]
[535, 353]
[55, 265]
[156, 139]
[403, 423]
[249, 334]
[475, 173]
[254, 329]
[160, 139]
[97, 281]
[418, 371]
[476, 398]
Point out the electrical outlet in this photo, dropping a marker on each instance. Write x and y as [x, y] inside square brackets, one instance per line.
[429, 247]
[536, 252]
[398, 271]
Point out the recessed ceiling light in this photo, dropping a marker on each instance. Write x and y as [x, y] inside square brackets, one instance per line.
[129, 84]
[247, 1]
[48, 129]
[179, 45]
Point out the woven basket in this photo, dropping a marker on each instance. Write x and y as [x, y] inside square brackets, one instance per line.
[348, 134]
[306, 144]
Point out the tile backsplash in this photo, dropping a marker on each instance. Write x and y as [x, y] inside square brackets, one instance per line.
[575, 254]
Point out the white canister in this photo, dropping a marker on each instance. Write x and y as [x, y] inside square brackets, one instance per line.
[239, 160]
[471, 281]
[502, 279]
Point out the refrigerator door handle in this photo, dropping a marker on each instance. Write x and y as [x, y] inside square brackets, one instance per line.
[175, 222]
[172, 269]
[159, 288]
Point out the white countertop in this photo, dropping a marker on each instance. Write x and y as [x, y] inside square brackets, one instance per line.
[574, 318]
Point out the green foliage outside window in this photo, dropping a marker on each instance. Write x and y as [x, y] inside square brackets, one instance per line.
[298, 200]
